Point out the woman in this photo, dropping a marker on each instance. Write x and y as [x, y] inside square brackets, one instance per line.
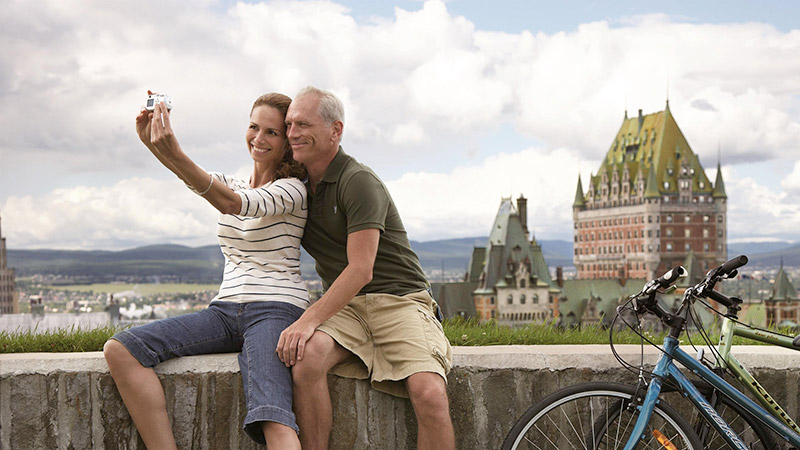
[260, 228]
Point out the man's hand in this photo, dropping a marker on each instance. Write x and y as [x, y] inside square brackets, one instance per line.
[292, 342]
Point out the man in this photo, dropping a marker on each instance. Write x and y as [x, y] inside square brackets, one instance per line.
[376, 318]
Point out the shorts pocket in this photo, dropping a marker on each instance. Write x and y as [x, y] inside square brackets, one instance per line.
[437, 341]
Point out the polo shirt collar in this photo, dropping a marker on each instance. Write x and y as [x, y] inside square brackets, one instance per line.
[336, 166]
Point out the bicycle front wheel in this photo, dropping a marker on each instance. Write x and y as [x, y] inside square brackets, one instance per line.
[597, 416]
[751, 430]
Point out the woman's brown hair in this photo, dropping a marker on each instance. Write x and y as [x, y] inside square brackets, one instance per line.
[288, 167]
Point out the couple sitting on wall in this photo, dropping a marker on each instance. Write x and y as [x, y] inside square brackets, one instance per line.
[376, 318]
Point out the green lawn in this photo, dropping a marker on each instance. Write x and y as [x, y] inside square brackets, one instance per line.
[143, 289]
[458, 331]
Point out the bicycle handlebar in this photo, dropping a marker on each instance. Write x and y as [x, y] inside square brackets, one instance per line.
[670, 277]
[731, 265]
[647, 297]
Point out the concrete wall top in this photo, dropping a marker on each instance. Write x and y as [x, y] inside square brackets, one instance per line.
[530, 357]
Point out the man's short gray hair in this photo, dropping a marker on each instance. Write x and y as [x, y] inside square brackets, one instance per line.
[330, 107]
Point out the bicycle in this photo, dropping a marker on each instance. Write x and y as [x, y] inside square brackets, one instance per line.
[616, 416]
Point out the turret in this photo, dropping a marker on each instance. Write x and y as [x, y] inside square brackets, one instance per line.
[579, 202]
[719, 185]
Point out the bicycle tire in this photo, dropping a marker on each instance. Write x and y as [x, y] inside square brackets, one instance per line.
[752, 431]
[594, 416]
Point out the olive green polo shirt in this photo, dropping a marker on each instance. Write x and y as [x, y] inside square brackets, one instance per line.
[350, 198]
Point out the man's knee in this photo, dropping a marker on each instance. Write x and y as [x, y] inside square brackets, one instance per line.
[318, 358]
[428, 393]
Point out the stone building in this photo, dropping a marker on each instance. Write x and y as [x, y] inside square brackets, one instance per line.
[783, 303]
[513, 283]
[9, 301]
[649, 205]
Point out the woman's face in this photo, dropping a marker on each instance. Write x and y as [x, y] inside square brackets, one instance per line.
[266, 135]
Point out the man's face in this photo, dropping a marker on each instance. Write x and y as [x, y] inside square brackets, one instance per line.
[308, 134]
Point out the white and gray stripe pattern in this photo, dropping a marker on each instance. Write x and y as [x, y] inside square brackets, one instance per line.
[261, 245]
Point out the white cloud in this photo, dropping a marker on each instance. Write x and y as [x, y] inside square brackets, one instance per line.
[130, 213]
[423, 91]
[757, 212]
[792, 181]
[464, 202]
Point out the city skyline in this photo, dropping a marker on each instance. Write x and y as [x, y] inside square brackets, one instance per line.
[454, 104]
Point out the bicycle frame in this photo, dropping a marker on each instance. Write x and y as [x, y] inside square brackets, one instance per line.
[666, 367]
[730, 329]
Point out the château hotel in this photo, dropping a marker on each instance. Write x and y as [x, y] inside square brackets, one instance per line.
[649, 205]
[9, 302]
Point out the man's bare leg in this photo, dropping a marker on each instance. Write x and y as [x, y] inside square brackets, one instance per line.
[143, 395]
[428, 393]
[312, 401]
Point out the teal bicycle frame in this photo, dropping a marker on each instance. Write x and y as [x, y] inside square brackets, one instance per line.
[667, 368]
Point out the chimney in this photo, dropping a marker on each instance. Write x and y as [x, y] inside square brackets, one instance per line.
[560, 276]
[641, 120]
[522, 209]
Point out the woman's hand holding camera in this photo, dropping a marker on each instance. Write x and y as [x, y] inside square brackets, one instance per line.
[155, 131]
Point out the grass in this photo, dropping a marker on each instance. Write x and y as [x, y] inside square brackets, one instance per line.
[469, 332]
[464, 332]
[143, 289]
[62, 340]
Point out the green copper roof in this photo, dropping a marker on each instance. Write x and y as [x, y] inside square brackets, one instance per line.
[653, 142]
[579, 200]
[783, 288]
[719, 186]
[694, 274]
[651, 189]
[508, 243]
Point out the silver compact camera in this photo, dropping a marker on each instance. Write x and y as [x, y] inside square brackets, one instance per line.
[152, 99]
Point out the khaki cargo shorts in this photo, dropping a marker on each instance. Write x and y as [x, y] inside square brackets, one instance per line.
[391, 337]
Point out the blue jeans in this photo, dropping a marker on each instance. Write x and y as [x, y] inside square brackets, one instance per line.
[224, 327]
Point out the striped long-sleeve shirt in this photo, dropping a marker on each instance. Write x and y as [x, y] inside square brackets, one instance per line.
[261, 244]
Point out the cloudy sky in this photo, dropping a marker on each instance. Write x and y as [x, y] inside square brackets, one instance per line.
[455, 104]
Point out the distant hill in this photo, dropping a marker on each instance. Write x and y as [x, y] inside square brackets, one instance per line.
[186, 264]
[204, 264]
[788, 254]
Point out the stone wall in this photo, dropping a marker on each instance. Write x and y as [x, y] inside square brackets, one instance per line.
[69, 401]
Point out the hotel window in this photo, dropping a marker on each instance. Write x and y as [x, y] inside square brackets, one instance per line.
[522, 299]
[705, 247]
[687, 233]
[688, 247]
[669, 246]
[669, 218]
[705, 232]
[510, 299]
[687, 218]
[669, 232]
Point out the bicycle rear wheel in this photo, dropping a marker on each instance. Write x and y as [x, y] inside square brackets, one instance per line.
[596, 416]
